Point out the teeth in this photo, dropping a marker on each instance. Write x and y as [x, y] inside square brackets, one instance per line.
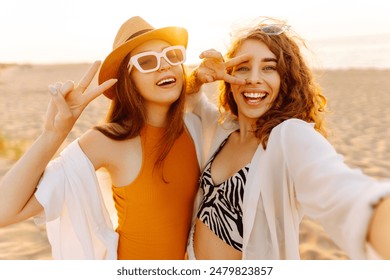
[254, 94]
[169, 80]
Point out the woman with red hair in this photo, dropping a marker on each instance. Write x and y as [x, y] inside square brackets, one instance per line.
[148, 145]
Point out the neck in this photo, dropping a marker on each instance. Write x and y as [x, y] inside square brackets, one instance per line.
[157, 115]
[247, 131]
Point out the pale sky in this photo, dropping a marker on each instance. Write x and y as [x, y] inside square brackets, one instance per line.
[62, 31]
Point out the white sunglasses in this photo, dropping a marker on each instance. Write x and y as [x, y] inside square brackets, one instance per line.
[147, 62]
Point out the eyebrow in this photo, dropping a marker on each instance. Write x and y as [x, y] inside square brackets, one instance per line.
[266, 59]
[270, 59]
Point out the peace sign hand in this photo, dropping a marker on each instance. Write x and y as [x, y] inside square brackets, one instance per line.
[213, 67]
[67, 101]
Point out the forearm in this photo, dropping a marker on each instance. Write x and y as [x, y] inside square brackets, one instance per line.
[379, 230]
[19, 183]
[67, 103]
[193, 82]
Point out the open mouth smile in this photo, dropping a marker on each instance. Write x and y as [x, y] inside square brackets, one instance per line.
[166, 81]
[254, 97]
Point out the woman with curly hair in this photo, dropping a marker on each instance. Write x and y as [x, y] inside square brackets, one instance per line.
[269, 162]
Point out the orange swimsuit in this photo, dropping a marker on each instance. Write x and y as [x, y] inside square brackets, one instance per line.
[154, 217]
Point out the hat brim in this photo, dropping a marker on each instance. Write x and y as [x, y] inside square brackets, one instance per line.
[110, 66]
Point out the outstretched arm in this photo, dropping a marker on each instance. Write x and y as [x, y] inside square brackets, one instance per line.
[19, 183]
[379, 231]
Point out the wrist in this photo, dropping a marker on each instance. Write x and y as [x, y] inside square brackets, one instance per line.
[53, 136]
[193, 82]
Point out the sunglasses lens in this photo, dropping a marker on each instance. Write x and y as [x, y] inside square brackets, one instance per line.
[175, 56]
[274, 29]
[147, 62]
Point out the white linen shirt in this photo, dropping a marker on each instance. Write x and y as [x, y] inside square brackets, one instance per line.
[77, 221]
[299, 173]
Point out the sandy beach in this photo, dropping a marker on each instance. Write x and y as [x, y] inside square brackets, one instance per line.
[359, 120]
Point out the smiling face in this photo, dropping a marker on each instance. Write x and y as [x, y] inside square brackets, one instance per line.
[262, 81]
[163, 86]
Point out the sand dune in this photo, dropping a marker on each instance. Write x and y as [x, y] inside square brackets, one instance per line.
[359, 120]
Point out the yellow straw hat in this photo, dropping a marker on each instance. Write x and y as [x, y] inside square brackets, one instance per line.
[131, 34]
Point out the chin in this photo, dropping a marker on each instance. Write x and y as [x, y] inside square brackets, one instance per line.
[171, 99]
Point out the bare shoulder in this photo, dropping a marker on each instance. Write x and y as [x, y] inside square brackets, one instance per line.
[93, 139]
[119, 157]
[97, 147]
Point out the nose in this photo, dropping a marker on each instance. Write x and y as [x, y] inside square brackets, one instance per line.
[164, 65]
[254, 78]
[253, 81]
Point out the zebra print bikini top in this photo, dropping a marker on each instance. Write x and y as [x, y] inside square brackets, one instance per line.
[221, 208]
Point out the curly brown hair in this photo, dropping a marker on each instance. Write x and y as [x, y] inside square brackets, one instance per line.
[299, 96]
[127, 114]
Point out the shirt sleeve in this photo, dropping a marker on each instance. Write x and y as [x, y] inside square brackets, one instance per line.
[341, 198]
[51, 191]
[77, 222]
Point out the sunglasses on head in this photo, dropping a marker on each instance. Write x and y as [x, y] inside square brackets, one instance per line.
[147, 62]
[274, 29]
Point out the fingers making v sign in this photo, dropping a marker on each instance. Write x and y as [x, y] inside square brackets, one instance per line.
[68, 101]
[213, 67]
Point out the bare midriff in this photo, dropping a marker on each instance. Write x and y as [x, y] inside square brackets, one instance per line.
[208, 246]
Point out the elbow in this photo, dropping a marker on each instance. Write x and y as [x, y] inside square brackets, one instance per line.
[5, 220]
[31, 209]
[8, 216]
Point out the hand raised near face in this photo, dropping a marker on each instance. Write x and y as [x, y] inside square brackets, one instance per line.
[213, 67]
[68, 101]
